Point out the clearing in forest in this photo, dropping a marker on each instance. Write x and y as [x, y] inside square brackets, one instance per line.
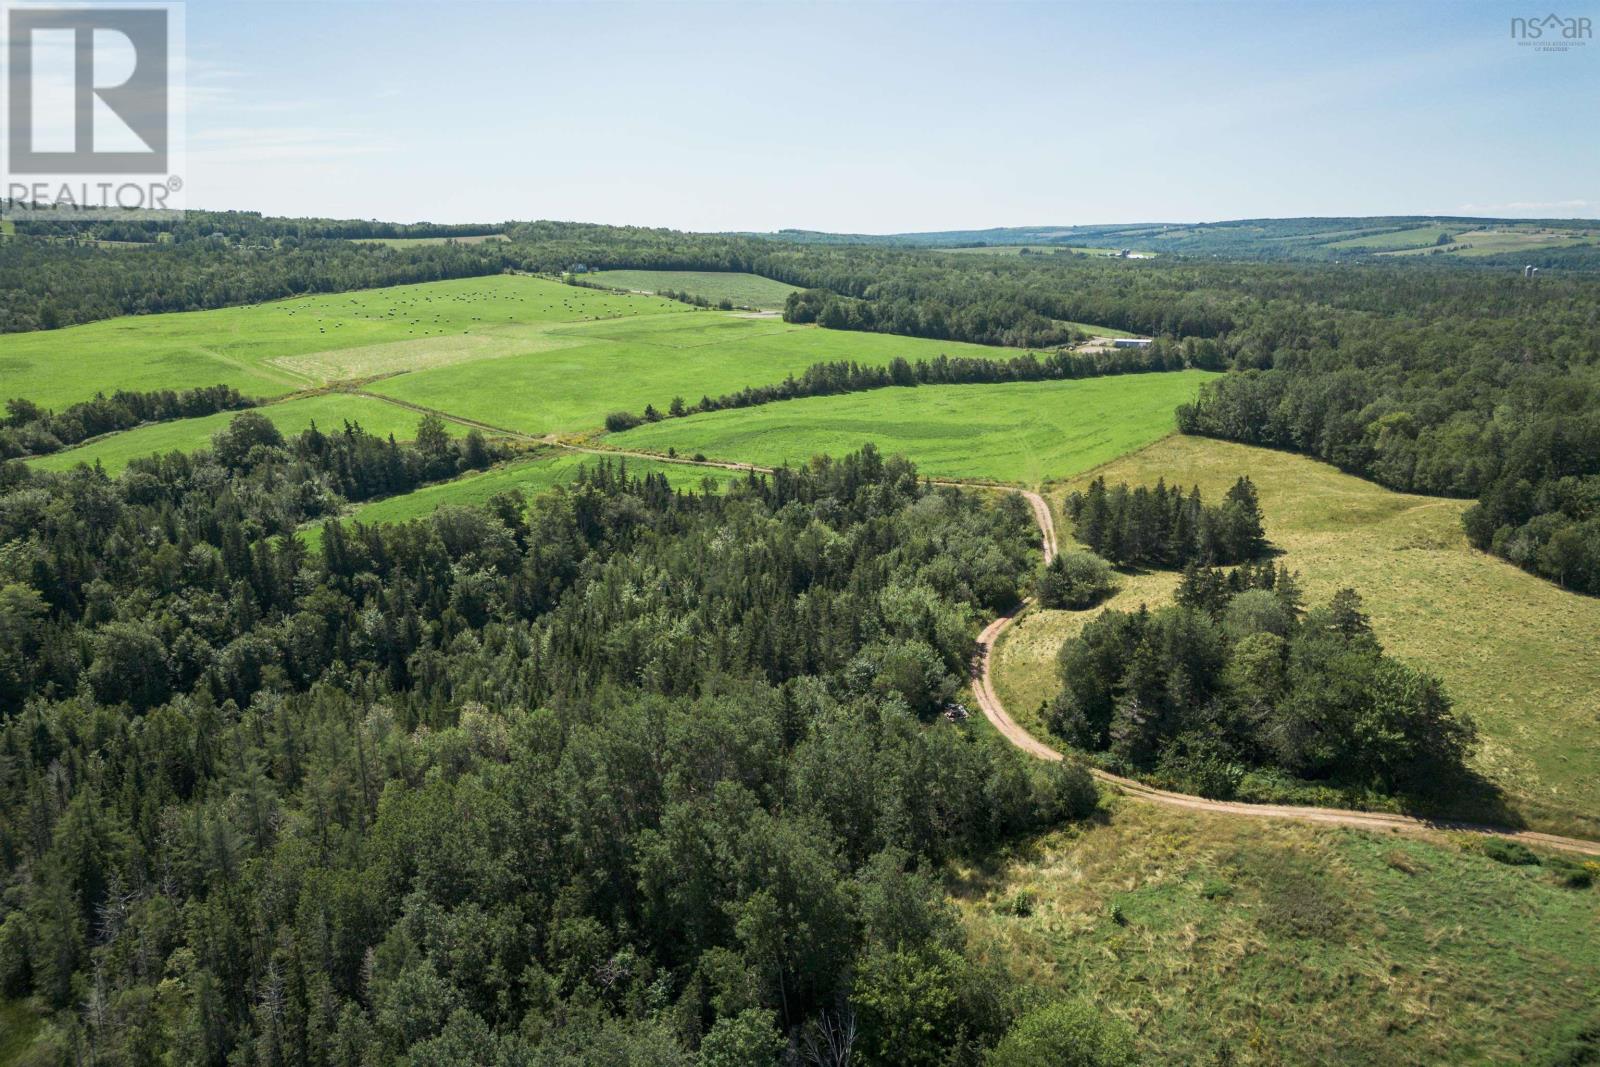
[1020, 432]
[1514, 651]
[741, 290]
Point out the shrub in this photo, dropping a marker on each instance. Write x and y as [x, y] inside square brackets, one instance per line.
[749, 1039]
[1063, 1034]
[1063, 790]
[1570, 874]
[1301, 899]
[1196, 762]
[618, 421]
[1021, 903]
[1512, 853]
[1257, 611]
[1075, 581]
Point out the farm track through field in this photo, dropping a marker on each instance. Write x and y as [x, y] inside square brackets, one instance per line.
[283, 375]
[995, 712]
[459, 420]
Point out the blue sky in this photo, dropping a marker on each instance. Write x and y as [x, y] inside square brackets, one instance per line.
[884, 117]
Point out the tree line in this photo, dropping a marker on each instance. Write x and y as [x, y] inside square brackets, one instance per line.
[29, 430]
[1161, 526]
[246, 226]
[682, 296]
[55, 283]
[836, 377]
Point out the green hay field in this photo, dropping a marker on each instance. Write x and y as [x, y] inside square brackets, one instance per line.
[1097, 331]
[524, 354]
[1020, 432]
[329, 411]
[1254, 942]
[1039, 250]
[742, 290]
[412, 242]
[276, 348]
[1492, 242]
[531, 476]
[1515, 652]
[625, 364]
[1417, 237]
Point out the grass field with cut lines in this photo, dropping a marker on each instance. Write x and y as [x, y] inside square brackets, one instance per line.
[275, 348]
[1021, 432]
[531, 476]
[742, 290]
[625, 364]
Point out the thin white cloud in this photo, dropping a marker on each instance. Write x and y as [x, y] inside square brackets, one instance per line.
[1525, 206]
[282, 144]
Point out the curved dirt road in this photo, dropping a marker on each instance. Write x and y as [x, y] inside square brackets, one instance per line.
[995, 712]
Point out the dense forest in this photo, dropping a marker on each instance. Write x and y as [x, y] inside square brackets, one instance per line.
[249, 227]
[624, 775]
[1473, 383]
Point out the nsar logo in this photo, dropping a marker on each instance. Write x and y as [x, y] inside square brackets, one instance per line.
[1552, 33]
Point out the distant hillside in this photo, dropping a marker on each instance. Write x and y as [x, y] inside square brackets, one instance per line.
[1572, 244]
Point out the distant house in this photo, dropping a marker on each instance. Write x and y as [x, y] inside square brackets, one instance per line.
[1130, 342]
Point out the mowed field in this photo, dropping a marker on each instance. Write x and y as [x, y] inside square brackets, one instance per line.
[742, 290]
[1038, 250]
[1416, 237]
[1020, 432]
[527, 355]
[1097, 331]
[330, 411]
[1224, 940]
[1490, 242]
[412, 242]
[625, 364]
[530, 476]
[1516, 653]
[279, 347]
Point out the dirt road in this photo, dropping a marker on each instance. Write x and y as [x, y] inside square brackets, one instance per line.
[995, 712]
